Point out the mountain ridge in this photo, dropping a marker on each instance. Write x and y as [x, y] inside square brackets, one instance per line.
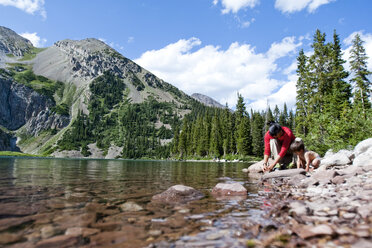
[64, 73]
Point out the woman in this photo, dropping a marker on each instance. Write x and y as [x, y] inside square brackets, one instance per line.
[277, 142]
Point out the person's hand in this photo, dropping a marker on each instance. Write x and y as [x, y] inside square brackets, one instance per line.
[268, 168]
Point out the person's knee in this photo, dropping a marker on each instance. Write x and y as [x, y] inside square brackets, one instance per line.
[316, 163]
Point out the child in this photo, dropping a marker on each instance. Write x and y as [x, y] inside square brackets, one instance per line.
[304, 157]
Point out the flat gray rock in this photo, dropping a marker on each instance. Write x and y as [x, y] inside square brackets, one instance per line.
[284, 173]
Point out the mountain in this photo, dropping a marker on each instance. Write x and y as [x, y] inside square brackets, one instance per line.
[83, 98]
[207, 100]
[13, 44]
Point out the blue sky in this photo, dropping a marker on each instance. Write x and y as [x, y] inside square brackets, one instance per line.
[213, 47]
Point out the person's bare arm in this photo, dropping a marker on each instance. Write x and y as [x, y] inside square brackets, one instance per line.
[298, 162]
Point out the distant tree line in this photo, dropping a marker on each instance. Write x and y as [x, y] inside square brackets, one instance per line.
[217, 133]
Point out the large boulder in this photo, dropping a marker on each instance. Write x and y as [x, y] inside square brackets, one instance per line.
[257, 167]
[229, 189]
[178, 194]
[364, 159]
[343, 157]
[362, 147]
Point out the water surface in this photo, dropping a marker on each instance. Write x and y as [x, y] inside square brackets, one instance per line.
[71, 202]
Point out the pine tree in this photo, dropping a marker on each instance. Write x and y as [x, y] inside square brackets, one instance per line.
[283, 117]
[216, 137]
[358, 64]
[244, 137]
[341, 90]
[276, 113]
[257, 134]
[303, 88]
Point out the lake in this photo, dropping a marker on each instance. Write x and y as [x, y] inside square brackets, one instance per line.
[78, 202]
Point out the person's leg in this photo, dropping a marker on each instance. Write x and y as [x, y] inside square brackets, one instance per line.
[275, 148]
[316, 162]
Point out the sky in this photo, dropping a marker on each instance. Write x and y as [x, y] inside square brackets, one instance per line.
[218, 48]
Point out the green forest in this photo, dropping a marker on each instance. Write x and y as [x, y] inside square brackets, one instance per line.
[333, 111]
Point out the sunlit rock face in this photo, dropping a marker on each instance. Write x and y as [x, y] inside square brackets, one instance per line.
[20, 105]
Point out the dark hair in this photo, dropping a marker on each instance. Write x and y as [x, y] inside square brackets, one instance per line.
[274, 128]
[297, 145]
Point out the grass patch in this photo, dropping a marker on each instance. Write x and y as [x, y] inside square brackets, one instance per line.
[23, 74]
[16, 154]
[31, 54]
[10, 55]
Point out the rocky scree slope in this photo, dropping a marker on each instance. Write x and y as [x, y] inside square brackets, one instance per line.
[207, 100]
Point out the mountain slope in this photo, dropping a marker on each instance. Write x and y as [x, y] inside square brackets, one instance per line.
[13, 44]
[110, 103]
[207, 100]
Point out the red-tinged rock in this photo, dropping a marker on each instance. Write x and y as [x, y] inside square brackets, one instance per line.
[13, 222]
[8, 238]
[108, 238]
[110, 226]
[60, 241]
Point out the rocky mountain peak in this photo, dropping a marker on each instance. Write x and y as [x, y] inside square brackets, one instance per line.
[207, 100]
[90, 45]
[12, 43]
[80, 61]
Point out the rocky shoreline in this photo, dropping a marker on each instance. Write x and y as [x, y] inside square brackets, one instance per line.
[330, 207]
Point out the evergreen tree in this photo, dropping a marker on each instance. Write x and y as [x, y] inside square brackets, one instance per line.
[244, 137]
[276, 113]
[283, 117]
[358, 64]
[216, 137]
[304, 90]
[341, 90]
[257, 134]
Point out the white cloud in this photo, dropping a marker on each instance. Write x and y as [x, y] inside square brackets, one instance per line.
[219, 73]
[131, 39]
[35, 39]
[235, 5]
[247, 23]
[290, 6]
[29, 6]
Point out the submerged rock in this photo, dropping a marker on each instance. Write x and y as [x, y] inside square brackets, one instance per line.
[178, 194]
[130, 207]
[229, 189]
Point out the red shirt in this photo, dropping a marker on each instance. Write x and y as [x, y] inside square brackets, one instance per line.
[286, 140]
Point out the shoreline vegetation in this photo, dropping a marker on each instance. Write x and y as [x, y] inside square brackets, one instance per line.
[230, 159]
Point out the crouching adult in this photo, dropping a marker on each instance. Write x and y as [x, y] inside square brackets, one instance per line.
[278, 140]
